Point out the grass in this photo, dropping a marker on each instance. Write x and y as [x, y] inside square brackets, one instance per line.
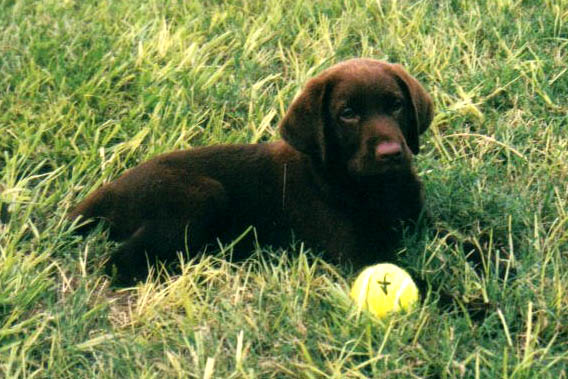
[90, 88]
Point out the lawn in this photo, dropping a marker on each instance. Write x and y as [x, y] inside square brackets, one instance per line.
[90, 88]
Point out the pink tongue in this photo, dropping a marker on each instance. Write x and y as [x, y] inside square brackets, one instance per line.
[387, 148]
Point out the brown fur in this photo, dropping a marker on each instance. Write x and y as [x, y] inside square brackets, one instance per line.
[341, 179]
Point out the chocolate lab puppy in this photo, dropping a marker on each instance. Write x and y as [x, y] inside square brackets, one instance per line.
[341, 179]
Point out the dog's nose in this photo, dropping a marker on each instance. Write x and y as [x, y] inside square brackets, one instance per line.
[388, 150]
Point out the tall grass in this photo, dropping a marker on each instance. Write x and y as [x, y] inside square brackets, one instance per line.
[90, 88]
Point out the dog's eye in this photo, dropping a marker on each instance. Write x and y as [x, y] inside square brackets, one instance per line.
[348, 114]
[396, 105]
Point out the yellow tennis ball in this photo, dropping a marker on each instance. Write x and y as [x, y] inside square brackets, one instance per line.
[384, 288]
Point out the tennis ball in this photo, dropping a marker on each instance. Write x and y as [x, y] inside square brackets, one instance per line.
[384, 288]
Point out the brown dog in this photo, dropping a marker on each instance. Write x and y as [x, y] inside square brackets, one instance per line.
[341, 179]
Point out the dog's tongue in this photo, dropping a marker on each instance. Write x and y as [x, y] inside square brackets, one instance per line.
[387, 148]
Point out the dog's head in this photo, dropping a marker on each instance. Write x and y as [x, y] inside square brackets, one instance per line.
[361, 116]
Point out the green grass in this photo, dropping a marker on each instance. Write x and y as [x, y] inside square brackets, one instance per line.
[89, 88]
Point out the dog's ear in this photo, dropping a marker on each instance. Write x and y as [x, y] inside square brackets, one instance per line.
[303, 124]
[421, 102]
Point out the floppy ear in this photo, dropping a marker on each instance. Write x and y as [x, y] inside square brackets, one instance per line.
[303, 124]
[423, 107]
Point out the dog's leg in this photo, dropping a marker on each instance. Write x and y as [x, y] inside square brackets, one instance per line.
[151, 242]
[198, 213]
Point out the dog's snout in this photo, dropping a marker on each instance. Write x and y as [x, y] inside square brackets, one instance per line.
[388, 150]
